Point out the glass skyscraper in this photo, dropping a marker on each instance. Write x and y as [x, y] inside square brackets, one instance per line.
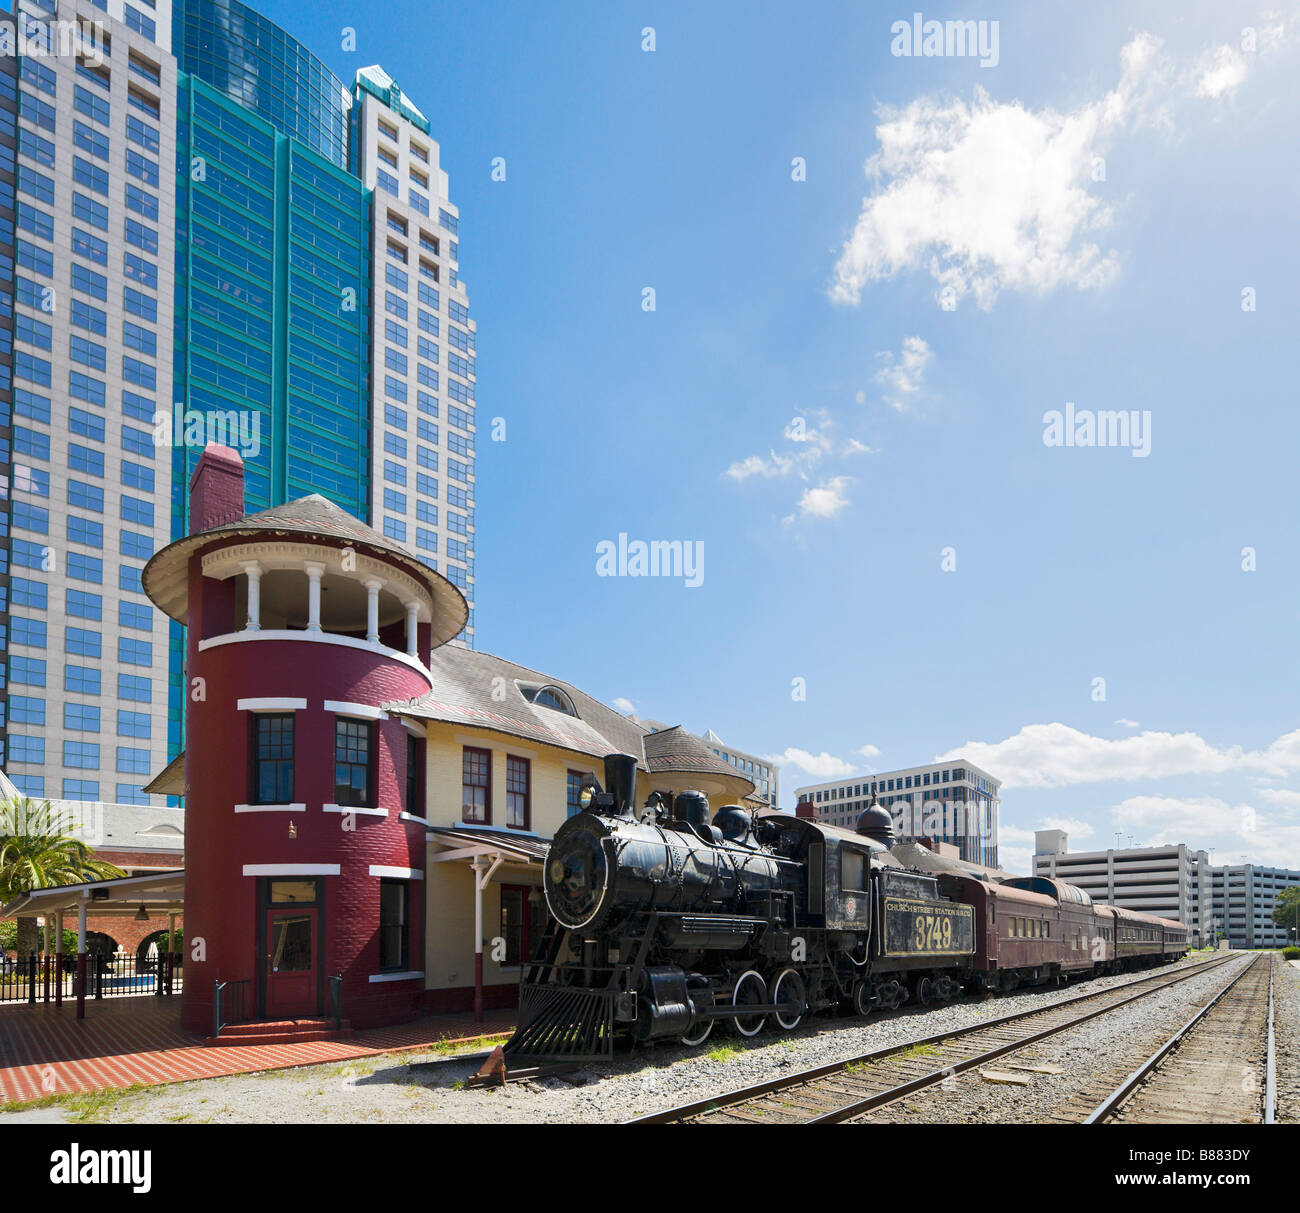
[261, 68]
[231, 238]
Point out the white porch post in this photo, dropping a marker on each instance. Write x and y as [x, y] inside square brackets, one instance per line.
[483, 873]
[478, 939]
[373, 586]
[58, 958]
[412, 628]
[49, 947]
[81, 958]
[314, 573]
[254, 572]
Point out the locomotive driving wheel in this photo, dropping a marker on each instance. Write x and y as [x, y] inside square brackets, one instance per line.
[788, 988]
[864, 998]
[698, 1034]
[750, 991]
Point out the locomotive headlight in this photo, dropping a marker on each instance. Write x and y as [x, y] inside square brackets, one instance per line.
[585, 796]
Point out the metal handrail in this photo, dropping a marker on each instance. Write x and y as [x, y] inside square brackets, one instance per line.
[236, 997]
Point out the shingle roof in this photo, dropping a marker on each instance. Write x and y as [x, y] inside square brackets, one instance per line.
[167, 584]
[480, 689]
[476, 688]
[675, 749]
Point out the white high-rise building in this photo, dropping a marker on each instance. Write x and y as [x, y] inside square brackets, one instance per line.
[423, 340]
[766, 777]
[94, 161]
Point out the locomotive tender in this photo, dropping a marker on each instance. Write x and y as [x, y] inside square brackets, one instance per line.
[665, 923]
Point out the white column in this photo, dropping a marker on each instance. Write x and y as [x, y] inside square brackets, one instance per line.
[254, 572]
[314, 573]
[58, 940]
[412, 628]
[81, 927]
[373, 586]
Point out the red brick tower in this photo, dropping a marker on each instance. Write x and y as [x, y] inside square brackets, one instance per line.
[304, 839]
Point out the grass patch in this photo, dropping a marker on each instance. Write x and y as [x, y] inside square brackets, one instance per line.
[83, 1107]
[724, 1053]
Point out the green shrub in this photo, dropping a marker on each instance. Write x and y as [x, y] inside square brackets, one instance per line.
[1291, 953]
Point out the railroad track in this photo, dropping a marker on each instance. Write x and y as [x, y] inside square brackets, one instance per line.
[845, 1089]
[1216, 1069]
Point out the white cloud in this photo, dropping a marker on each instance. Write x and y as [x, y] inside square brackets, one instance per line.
[1282, 796]
[1019, 861]
[869, 751]
[1219, 72]
[756, 465]
[994, 195]
[626, 706]
[902, 376]
[826, 500]
[820, 766]
[1128, 724]
[1206, 822]
[1075, 827]
[854, 447]
[1056, 755]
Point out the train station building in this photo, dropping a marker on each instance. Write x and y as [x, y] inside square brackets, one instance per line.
[367, 807]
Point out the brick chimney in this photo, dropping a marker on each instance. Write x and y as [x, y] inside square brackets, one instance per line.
[216, 488]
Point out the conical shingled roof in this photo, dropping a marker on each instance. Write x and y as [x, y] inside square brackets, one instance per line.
[166, 579]
[675, 749]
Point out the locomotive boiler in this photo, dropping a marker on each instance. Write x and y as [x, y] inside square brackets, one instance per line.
[664, 922]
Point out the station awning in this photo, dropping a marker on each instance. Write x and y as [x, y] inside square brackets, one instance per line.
[158, 892]
[502, 846]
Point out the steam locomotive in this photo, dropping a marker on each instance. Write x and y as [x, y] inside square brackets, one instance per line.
[663, 924]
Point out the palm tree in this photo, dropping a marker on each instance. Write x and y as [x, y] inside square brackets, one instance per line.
[38, 851]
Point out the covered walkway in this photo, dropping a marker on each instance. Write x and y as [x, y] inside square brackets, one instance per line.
[46, 1050]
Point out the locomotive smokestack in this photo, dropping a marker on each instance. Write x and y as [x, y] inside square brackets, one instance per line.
[620, 780]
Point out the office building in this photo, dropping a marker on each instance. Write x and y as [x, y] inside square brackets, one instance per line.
[948, 802]
[1168, 881]
[766, 777]
[299, 320]
[92, 297]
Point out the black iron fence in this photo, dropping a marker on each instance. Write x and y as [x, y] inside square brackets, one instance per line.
[38, 978]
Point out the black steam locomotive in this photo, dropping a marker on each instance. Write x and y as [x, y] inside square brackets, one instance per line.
[665, 924]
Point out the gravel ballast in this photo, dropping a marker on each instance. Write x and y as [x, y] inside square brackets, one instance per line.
[426, 1089]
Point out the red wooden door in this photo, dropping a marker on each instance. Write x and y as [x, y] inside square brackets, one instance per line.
[291, 986]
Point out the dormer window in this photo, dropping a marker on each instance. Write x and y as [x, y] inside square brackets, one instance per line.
[549, 697]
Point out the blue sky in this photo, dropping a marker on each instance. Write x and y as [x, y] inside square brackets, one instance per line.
[1095, 204]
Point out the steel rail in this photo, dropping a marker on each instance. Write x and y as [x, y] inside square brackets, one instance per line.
[1110, 1105]
[719, 1103]
[1270, 1085]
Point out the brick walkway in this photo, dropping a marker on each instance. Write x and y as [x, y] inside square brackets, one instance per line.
[122, 1041]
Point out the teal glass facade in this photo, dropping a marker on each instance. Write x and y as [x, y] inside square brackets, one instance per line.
[272, 314]
[257, 65]
[273, 311]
